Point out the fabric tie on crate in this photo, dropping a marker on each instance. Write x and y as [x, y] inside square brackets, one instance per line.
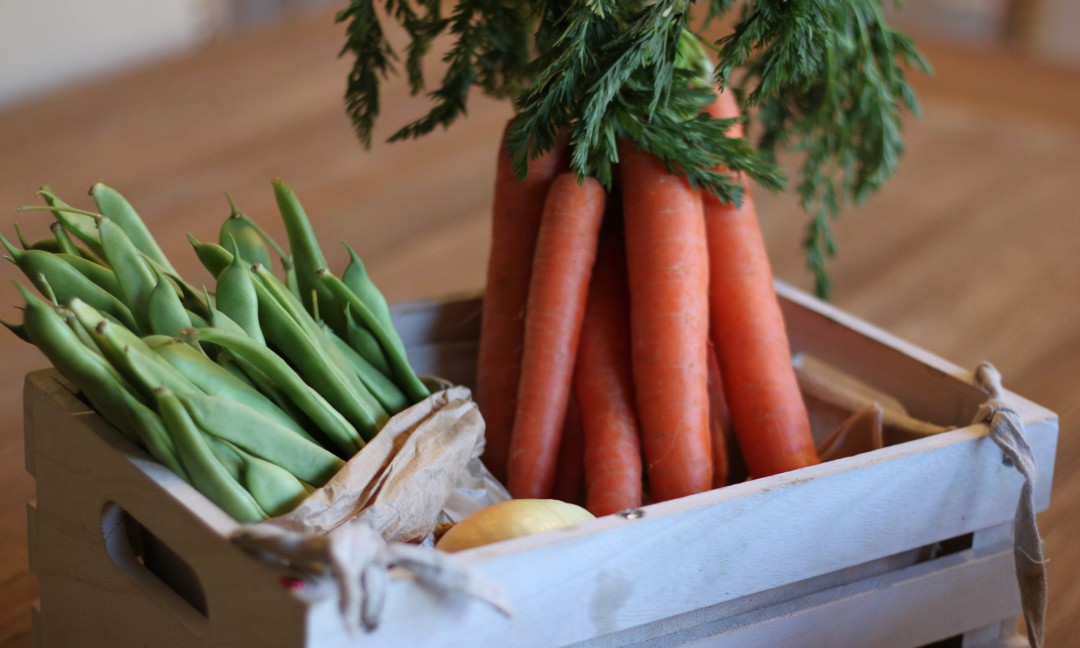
[1007, 431]
[422, 468]
[359, 561]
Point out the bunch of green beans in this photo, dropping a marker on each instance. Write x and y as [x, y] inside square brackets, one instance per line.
[255, 390]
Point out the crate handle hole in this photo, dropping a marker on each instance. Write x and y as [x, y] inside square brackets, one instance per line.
[152, 564]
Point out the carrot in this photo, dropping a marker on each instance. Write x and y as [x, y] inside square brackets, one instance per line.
[603, 383]
[570, 466]
[515, 221]
[719, 422]
[760, 386]
[562, 266]
[669, 322]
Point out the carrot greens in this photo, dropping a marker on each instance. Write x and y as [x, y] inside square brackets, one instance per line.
[825, 78]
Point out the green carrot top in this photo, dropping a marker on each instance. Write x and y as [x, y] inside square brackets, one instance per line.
[826, 78]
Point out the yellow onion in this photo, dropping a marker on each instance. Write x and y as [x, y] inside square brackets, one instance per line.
[511, 519]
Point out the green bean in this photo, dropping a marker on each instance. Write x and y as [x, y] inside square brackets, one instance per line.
[275, 489]
[220, 320]
[207, 473]
[385, 391]
[331, 377]
[322, 414]
[132, 273]
[63, 241]
[157, 340]
[165, 313]
[94, 271]
[262, 436]
[250, 375]
[49, 245]
[363, 342]
[80, 332]
[281, 307]
[132, 357]
[118, 210]
[191, 296]
[50, 273]
[355, 276]
[306, 253]
[107, 392]
[197, 320]
[212, 378]
[18, 329]
[242, 233]
[79, 223]
[228, 456]
[213, 257]
[236, 296]
[404, 375]
[26, 245]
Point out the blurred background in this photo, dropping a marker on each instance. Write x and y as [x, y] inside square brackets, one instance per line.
[75, 43]
[49, 44]
[969, 252]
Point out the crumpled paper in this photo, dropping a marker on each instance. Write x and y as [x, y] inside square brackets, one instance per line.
[422, 468]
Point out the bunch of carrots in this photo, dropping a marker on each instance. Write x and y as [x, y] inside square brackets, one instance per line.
[632, 347]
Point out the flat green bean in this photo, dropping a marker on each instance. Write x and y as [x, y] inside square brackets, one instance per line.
[79, 223]
[385, 391]
[262, 436]
[165, 313]
[118, 210]
[50, 273]
[132, 273]
[106, 390]
[364, 342]
[242, 233]
[356, 277]
[331, 377]
[206, 471]
[306, 254]
[404, 375]
[235, 295]
[276, 490]
[94, 271]
[214, 379]
[325, 417]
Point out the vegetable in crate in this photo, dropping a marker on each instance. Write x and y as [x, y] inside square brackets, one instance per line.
[241, 391]
[627, 82]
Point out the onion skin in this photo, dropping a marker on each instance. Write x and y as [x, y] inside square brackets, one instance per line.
[511, 519]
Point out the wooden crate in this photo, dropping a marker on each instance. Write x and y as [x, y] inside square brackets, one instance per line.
[903, 546]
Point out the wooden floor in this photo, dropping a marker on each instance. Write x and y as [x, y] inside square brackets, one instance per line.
[971, 252]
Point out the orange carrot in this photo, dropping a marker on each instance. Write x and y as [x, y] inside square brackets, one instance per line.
[604, 386]
[515, 220]
[760, 387]
[669, 322]
[719, 422]
[570, 466]
[562, 266]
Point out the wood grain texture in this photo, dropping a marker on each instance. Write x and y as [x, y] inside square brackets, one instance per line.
[970, 252]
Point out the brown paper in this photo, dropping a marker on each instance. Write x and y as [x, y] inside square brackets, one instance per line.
[422, 468]
[401, 480]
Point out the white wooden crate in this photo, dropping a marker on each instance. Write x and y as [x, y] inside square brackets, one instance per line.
[903, 546]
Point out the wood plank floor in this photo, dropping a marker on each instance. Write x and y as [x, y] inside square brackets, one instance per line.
[971, 252]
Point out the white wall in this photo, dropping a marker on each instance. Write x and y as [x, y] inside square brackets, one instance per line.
[46, 44]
